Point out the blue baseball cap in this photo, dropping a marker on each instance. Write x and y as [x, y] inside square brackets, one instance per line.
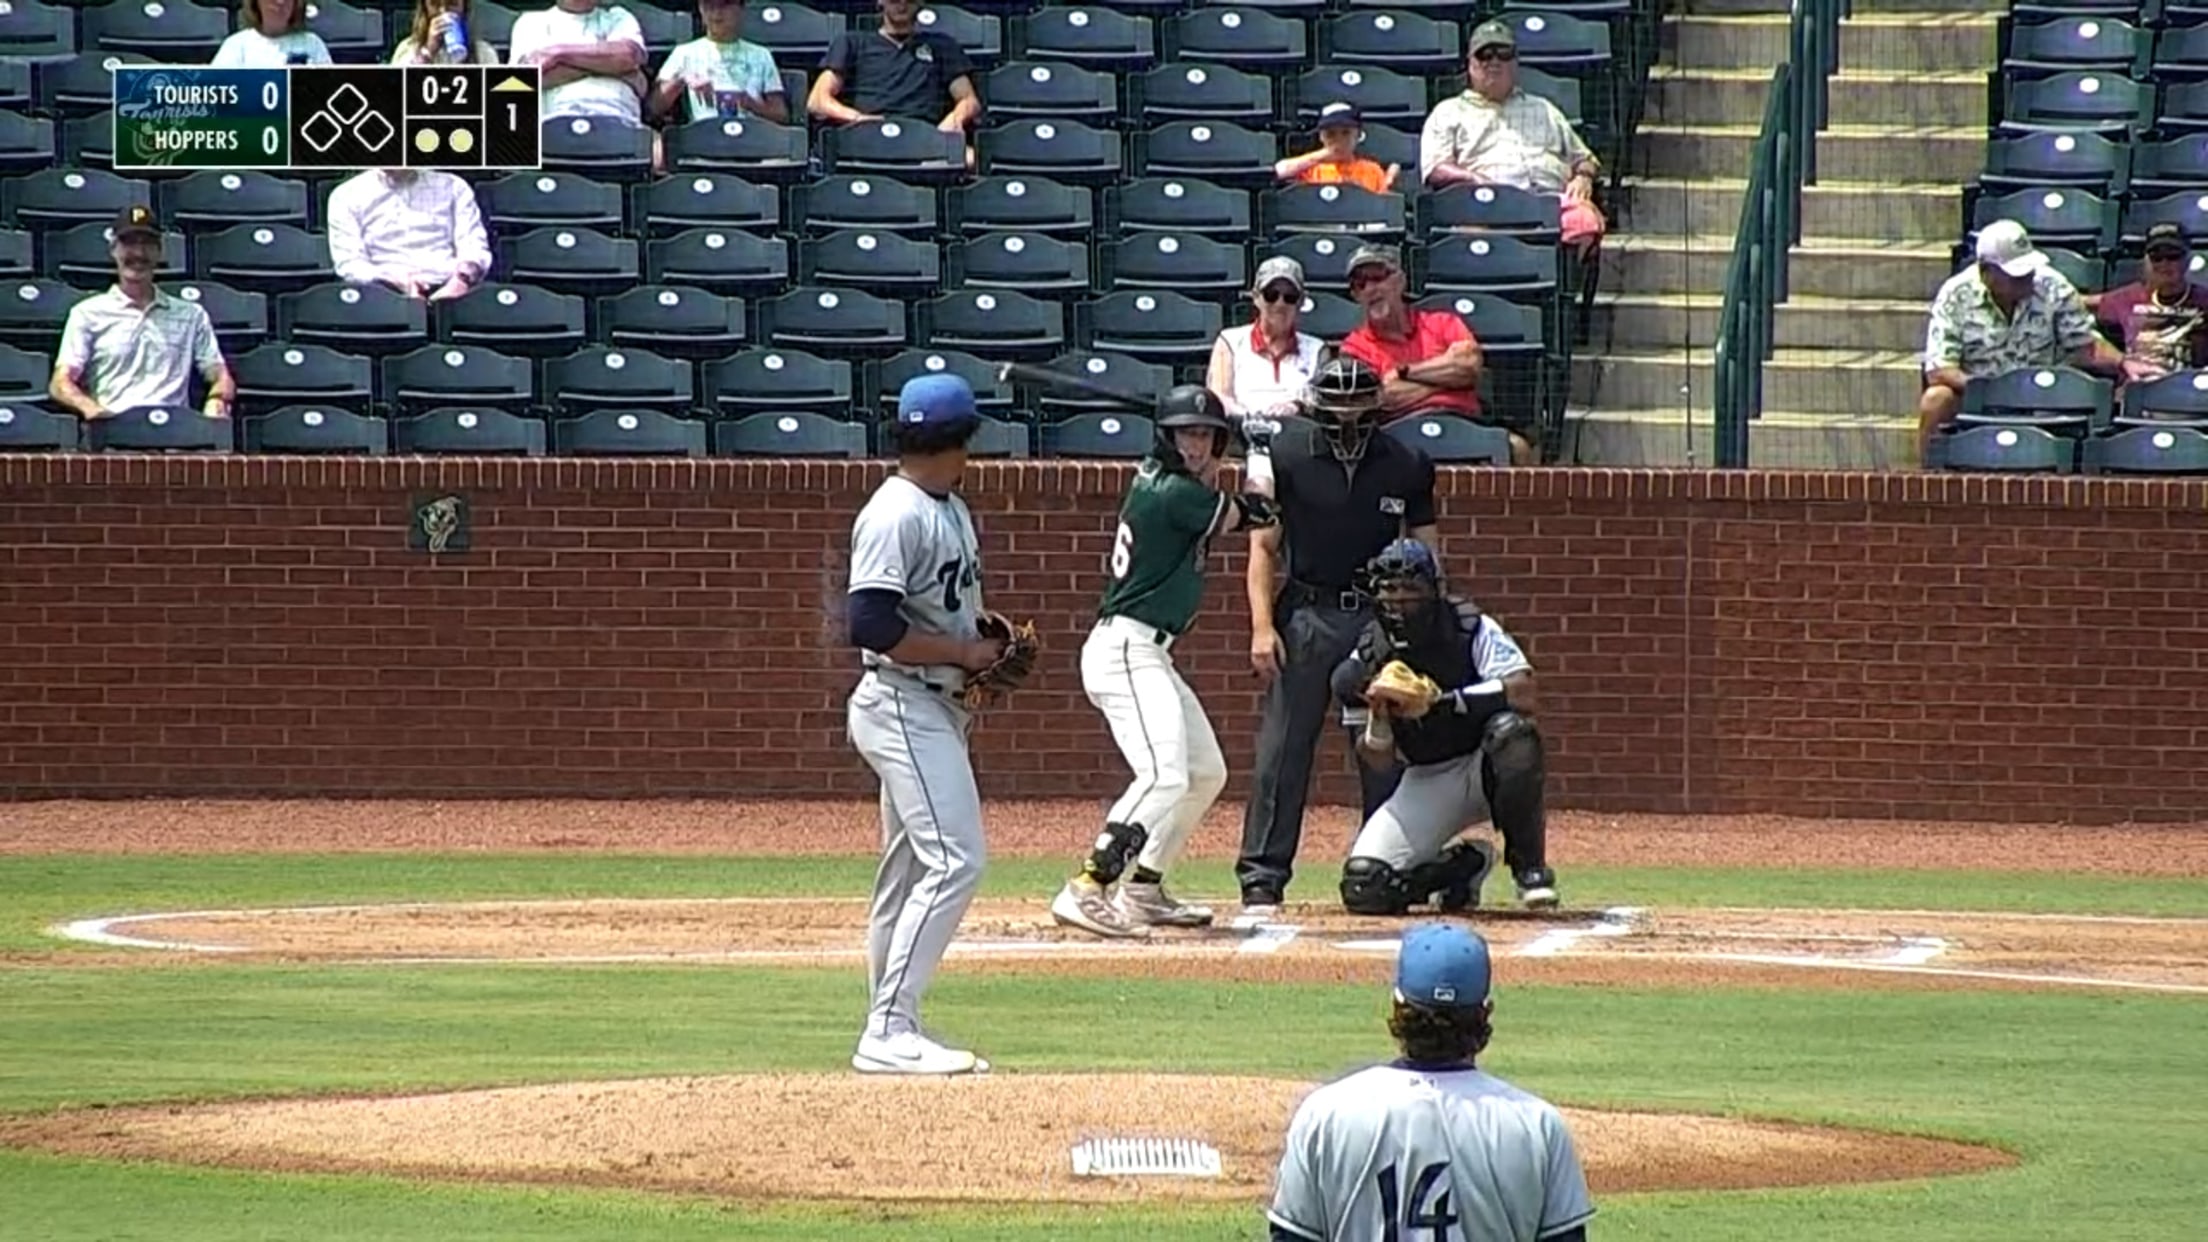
[1443, 966]
[937, 400]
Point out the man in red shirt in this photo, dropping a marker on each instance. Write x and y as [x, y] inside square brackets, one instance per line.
[1429, 362]
[2160, 320]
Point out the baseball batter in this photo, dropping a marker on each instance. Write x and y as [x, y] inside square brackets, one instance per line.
[1431, 1147]
[1447, 688]
[914, 612]
[1155, 585]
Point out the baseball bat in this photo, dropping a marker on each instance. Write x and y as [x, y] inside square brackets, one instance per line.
[1067, 381]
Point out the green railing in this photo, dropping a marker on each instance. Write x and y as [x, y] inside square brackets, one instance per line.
[1784, 160]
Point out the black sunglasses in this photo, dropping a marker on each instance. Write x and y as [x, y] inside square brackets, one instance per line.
[1489, 55]
[1280, 293]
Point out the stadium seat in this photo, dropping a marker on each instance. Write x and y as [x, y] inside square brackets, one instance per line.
[1178, 205]
[1028, 262]
[160, 429]
[1150, 325]
[596, 146]
[1020, 205]
[998, 323]
[354, 36]
[35, 429]
[2054, 216]
[1558, 42]
[792, 32]
[2083, 271]
[674, 204]
[1329, 316]
[1500, 265]
[457, 375]
[524, 320]
[664, 26]
[629, 433]
[315, 429]
[58, 197]
[1192, 91]
[1212, 150]
[240, 316]
[220, 197]
[2005, 450]
[1238, 35]
[174, 32]
[1065, 150]
[678, 321]
[2101, 102]
[2179, 398]
[601, 376]
[1183, 261]
[720, 260]
[2181, 54]
[751, 148]
[2187, 209]
[2048, 157]
[520, 201]
[33, 30]
[83, 255]
[980, 35]
[1084, 35]
[1052, 92]
[2162, 168]
[89, 141]
[779, 379]
[1463, 12]
[27, 144]
[1501, 325]
[1457, 441]
[909, 150]
[1118, 372]
[579, 261]
[1396, 39]
[360, 319]
[77, 85]
[890, 375]
[863, 258]
[789, 433]
[842, 322]
[18, 255]
[1099, 435]
[2102, 42]
[1325, 259]
[469, 432]
[33, 312]
[2149, 450]
[872, 204]
[996, 437]
[1383, 96]
[1536, 219]
[1335, 209]
[269, 258]
[23, 374]
[15, 85]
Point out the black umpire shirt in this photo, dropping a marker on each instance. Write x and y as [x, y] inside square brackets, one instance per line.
[887, 78]
[1334, 518]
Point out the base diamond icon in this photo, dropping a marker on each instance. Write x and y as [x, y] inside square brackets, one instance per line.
[321, 132]
[346, 103]
[373, 131]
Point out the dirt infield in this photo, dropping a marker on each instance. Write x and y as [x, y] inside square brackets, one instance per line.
[1005, 1137]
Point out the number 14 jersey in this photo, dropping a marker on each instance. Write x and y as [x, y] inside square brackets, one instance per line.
[1157, 562]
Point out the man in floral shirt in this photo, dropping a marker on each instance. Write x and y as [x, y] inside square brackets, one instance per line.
[2008, 311]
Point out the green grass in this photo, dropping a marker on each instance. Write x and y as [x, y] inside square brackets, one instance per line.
[2099, 1094]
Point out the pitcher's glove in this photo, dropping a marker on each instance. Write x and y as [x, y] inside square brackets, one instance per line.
[1400, 691]
[1013, 663]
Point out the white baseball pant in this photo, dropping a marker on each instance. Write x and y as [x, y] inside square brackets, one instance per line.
[1162, 730]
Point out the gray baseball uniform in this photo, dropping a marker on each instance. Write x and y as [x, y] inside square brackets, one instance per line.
[1398, 1154]
[911, 729]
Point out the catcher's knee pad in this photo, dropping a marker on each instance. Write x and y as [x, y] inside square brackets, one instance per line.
[1511, 744]
[1115, 847]
[1370, 886]
[1515, 768]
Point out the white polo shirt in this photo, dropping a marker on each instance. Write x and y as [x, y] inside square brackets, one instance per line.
[594, 95]
[128, 356]
[1261, 380]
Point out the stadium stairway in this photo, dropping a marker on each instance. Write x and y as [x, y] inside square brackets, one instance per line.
[1907, 131]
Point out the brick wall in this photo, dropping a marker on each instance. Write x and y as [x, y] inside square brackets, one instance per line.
[1905, 645]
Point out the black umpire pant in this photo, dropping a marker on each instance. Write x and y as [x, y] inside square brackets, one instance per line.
[1318, 630]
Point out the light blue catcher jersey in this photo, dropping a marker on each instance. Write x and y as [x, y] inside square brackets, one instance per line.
[924, 548]
[1392, 1154]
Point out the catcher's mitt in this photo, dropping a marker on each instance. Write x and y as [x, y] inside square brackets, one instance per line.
[1014, 662]
[1402, 691]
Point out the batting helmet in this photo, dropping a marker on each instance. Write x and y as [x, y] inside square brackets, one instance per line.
[1189, 405]
[1343, 394]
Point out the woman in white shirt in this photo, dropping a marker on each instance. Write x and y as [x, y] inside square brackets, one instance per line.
[427, 42]
[274, 34]
[1262, 368]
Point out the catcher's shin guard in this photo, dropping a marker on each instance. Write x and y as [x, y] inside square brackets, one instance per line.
[1452, 880]
[1516, 776]
[1115, 848]
[1371, 886]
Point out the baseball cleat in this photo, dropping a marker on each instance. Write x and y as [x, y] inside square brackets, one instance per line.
[1258, 903]
[910, 1052]
[1083, 903]
[1537, 888]
[1463, 892]
[1151, 905]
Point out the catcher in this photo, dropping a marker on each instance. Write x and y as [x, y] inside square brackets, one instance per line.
[1447, 688]
[1154, 588]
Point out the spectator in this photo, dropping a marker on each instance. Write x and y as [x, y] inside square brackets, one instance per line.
[1336, 161]
[417, 230]
[1496, 134]
[590, 59]
[722, 74]
[2008, 311]
[438, 26]
[1428, 361]
[271, 34]
[1263, 370]
[134, 346]
[897, 70]
[2156, 320]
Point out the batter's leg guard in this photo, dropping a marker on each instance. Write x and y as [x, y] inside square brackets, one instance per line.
[1117, 845]
[1515, 772]
[1370, 886]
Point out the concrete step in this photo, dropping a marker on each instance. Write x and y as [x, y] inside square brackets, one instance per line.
[1917, 42]
[1898, 271]
[1669, 208]
[1687, 436]
[1880, 384]
[1644, 321]
[1858, 97]
[1887, 155]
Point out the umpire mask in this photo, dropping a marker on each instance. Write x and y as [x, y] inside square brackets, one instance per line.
[1344, 397]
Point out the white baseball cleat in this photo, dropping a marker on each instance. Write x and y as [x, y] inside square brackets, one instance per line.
[1150, 904]
[910, 1052]
[1083, 903]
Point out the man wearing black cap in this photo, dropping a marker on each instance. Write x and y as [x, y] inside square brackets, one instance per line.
[2156, 320]
[135, 347]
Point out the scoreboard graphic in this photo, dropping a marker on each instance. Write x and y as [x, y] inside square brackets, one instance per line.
[321, 116]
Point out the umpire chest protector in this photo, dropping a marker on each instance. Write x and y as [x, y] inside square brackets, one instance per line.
[1442, 650]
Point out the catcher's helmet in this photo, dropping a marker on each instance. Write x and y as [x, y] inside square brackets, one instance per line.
[1189, 405]
[1343, 394]
[1406, 563]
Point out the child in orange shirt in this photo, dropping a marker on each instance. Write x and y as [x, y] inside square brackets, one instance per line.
[1336, 161]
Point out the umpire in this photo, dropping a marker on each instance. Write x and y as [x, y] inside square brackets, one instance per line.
[1345, 492]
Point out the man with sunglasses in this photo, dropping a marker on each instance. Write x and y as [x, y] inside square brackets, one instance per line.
[1494, 133]
[2158, 319]
[1428, 360]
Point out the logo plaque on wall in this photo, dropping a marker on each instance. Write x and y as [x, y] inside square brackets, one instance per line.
[438, 524]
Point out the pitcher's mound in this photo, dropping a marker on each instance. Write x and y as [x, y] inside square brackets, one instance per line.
[847, 1136]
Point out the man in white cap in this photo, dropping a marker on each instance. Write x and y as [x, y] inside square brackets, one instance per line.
[2008, 311]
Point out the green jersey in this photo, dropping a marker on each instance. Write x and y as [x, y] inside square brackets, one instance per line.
[1157, 563]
